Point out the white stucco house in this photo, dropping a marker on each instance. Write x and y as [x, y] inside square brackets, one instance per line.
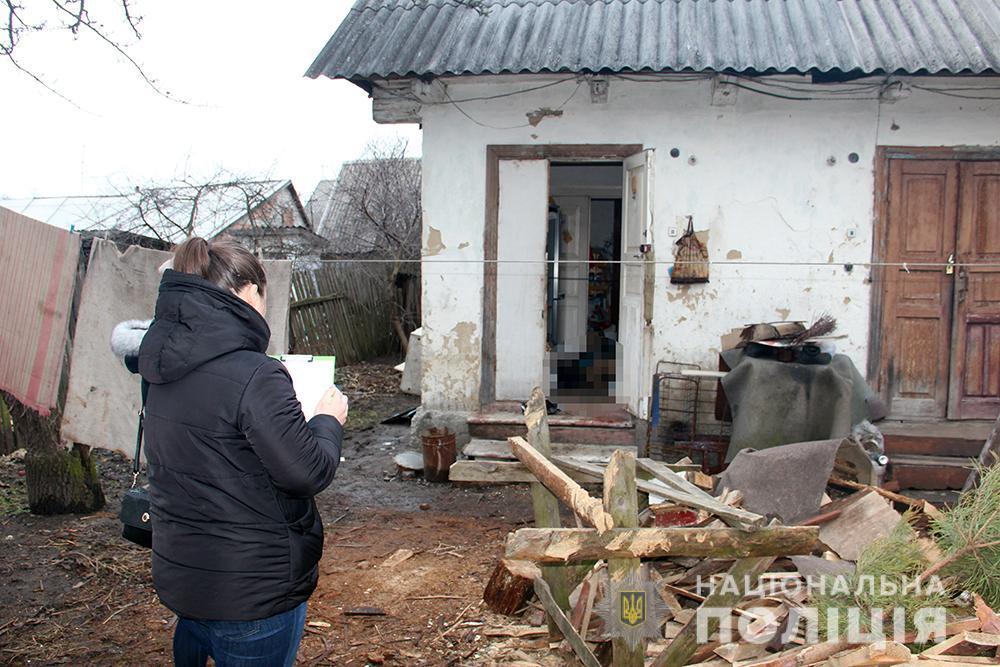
[838, 156]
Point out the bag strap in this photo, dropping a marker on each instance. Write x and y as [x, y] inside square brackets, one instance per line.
[136, 466]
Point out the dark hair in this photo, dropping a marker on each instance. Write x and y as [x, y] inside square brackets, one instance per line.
[227, 264]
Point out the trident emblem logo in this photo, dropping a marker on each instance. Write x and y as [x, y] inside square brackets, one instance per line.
[632, 607]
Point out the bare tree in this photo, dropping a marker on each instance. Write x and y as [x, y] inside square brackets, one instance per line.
[191, 206]
[380, 215]
[19, 19]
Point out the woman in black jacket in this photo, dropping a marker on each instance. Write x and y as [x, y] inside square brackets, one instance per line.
[233, 465]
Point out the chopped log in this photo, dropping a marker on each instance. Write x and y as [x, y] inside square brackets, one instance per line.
[580, 647]
[731, 515]
[987, 457]
[544, 504]
[621, 502]
[565, 489]
[510, 585]
[879, 653]
[684, 645]
[801, 655]
[568, 545]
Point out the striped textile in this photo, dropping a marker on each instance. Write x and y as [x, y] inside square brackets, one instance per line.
[38, 265]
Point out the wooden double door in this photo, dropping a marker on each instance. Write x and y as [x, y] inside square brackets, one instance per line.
[940, 321]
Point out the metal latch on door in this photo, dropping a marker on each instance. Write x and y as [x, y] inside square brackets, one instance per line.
[950, 266]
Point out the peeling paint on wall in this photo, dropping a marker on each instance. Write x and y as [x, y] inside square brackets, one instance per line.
[434, 243]
[783, 313]
[734, 254]
[463, 245]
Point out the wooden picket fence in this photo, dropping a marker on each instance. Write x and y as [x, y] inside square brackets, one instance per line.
[341, 309]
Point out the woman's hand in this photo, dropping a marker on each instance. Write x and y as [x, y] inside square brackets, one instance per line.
[334, 404]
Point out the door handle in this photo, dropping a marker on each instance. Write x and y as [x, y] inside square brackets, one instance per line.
[950, 266]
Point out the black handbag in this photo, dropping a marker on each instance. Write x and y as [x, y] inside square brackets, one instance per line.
[134, 514]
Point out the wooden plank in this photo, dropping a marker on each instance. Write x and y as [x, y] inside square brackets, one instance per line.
[552, 608]
[621, 502]
[503, 472]
[479, 448]
[545, 505]
[864, 517]
[562, 487]
[731, 515]
[664, 473]
[684, 645]
[562, 545]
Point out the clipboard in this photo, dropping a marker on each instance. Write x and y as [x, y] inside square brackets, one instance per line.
[311, 377]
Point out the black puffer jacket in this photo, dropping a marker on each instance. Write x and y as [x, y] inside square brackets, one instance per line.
[233, 465]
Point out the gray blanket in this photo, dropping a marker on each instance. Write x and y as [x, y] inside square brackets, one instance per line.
[776, 403]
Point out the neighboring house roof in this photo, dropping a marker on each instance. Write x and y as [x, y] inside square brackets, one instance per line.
[335, 218]
[418, 38]
[219, 208]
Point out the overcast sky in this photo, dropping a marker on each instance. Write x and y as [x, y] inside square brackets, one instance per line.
[240, 66]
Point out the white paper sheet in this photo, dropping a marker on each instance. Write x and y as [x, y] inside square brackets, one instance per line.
[311, 377]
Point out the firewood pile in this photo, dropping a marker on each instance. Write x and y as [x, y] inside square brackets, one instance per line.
[665, 569]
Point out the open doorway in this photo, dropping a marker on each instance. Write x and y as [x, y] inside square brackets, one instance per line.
[583, 280]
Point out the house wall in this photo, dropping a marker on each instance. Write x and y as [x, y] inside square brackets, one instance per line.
[782, 220]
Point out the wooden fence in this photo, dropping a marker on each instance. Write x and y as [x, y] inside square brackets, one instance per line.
[343, 309]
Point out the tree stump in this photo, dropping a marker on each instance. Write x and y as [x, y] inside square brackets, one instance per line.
[510, 586]
[59, 480]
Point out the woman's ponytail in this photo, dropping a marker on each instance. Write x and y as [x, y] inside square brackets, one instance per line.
[192, 257]
[226, 264]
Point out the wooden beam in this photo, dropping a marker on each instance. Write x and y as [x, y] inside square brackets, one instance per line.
[503, 472]
[569, 545]
[621, 502]
[664, 473]
[579, 646]
[683, 646]
[545, 505]
[731, 515]
[988, 457]
[562, 487]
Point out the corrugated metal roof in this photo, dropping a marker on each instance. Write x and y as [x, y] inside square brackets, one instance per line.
[401, 38]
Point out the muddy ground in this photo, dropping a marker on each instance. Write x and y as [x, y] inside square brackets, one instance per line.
[75, 593]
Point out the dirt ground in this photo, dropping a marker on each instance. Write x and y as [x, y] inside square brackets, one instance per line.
[75, 593]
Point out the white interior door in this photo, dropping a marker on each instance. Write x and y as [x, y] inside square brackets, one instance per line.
[574, 253]
[522, 222]
[634, 337]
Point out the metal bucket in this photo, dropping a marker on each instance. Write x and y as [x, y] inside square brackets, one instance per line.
[439, 453]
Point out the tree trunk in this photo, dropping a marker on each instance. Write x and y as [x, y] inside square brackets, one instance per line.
[8, 442]
[59, 480]
[394, 318]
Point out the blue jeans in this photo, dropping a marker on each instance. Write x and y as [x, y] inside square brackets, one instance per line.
[269, 642]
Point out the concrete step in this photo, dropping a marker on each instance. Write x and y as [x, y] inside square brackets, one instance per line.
[938, 438]
[930, 472]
